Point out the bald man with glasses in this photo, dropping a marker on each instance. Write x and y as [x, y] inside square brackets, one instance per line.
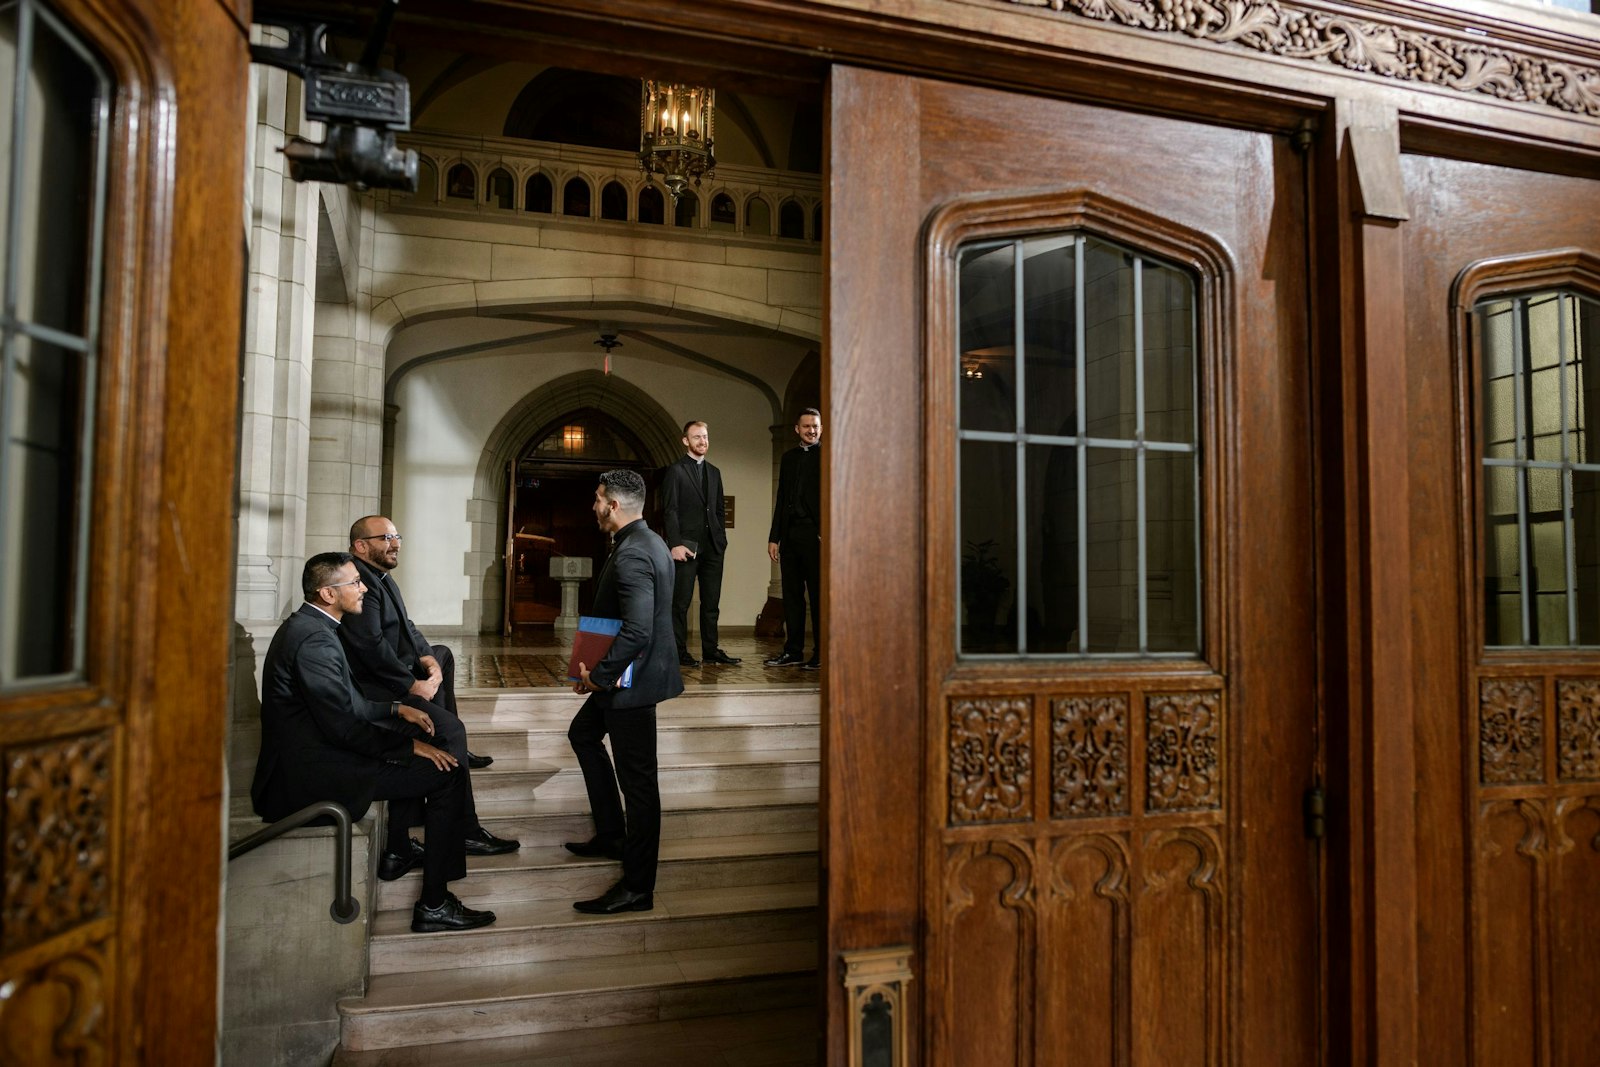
[391, 660]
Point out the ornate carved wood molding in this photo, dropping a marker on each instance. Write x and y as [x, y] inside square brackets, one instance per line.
[991, 760]
[57, 818]
[1510, 730]
[1346, 39]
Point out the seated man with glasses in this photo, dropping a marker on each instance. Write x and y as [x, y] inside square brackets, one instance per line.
[318, 743]
[391, 660]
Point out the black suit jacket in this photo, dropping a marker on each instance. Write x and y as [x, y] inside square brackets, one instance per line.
[635, 586]
[382, 643]
[799, 500]
[689, 514]
[315, 741]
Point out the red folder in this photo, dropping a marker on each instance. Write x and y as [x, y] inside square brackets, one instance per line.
[591, 643]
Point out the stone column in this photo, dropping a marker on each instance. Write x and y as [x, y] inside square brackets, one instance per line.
[347, 407]
[274, 419]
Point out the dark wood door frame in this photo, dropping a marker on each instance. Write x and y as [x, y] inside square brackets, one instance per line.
[173, 315]
[113, 861]
[1359, 352]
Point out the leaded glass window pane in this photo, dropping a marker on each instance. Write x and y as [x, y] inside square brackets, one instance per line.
[1079, 458]
[55, 100]
[1541, 484]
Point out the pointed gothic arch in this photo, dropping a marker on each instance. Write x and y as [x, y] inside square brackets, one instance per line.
[630, 405]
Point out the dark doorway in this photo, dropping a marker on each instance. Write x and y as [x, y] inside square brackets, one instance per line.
[549, 509]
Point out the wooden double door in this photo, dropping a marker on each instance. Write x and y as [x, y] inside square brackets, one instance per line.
[1070, 359]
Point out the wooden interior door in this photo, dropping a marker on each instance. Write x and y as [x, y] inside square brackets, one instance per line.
[1091, 858]
[1508, 703]
[112, 731]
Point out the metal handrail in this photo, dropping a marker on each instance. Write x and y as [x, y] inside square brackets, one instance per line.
[345, 908]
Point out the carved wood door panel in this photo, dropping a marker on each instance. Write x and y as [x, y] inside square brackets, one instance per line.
[1093, 324]
[1502, 296]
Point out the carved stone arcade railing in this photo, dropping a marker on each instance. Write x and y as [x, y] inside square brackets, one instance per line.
[766, 204]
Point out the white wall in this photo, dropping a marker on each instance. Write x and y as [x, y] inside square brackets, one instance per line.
[448, 409]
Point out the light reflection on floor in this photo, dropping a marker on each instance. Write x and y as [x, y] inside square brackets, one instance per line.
[537, 656]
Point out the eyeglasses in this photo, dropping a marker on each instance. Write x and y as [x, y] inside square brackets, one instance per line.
[393, 538]
[340, 585]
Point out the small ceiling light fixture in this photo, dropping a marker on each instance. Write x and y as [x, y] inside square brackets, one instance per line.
[971, 369]
[676, 128]
[608, 341]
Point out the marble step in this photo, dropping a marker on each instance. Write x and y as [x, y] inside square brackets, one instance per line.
[687, 736]
[552, 820]
[547, 706]
[690, 772]
[784, 1037]
[542, 930]
[729, 813]
[544, 741]
[552, 873]
[431, 1007]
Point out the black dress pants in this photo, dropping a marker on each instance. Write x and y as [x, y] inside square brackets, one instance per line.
[633, 742]
[800, 564]
[446, 696]
[417, 783]
[707, 567]
[449, 734]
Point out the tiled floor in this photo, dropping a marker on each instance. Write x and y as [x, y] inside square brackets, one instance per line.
[538, 657]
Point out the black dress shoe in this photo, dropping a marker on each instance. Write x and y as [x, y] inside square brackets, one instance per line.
[451, 915]
[617, 899]
[812, 664]
[784, 659]
[478, 763]
[392, 865]
[595, 848]
[719, 656]
[481, 842]
[686, 660]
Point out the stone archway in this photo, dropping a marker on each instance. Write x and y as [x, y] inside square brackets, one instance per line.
[591, 389]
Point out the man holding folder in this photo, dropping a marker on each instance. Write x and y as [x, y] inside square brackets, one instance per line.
[634, 587]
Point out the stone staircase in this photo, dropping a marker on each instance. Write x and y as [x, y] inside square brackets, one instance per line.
[722, 971]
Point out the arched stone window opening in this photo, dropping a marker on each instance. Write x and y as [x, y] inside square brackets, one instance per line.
[500, 190]
[724, 213]
[540, 194]
[652, 205]
[792, 220]
[816, 222]
[427, 182]
[614, 202]
[687, 211]
[575, 198]
[758, 217]
[461, 184]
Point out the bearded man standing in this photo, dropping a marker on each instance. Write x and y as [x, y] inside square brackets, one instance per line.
[634, 586]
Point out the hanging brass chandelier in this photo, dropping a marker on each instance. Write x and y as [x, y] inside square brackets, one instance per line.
[677, 125]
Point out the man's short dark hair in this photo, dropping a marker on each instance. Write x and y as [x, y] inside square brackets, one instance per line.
[806, 411]
[691, 424]
[358, 528]
[625, 487]
[322, 569]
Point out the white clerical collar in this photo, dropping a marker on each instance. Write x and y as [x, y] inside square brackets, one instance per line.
[335, 621]
[697, 459]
